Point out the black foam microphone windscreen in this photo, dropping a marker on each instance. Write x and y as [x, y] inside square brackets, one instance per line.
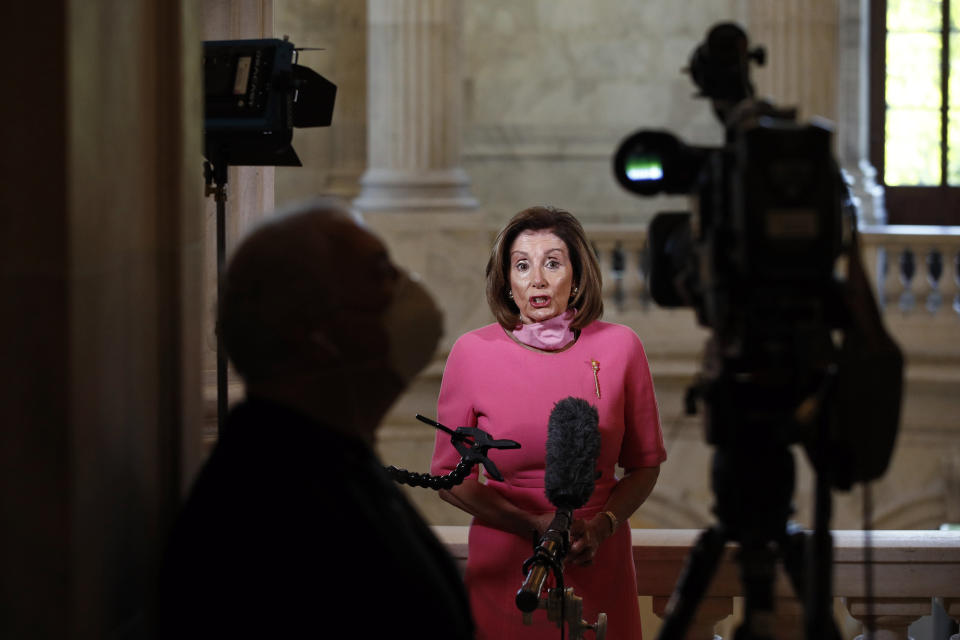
[573, 446]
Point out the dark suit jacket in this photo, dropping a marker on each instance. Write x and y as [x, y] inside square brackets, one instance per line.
[294, 530]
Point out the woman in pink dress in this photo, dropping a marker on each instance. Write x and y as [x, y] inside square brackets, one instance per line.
[544, 288]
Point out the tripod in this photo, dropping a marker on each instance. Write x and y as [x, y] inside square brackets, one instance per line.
[753, 480]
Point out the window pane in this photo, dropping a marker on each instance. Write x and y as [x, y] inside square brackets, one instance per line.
[914, 15]
[955, 67]
[953, 152]
[913, 70]
[912, 147]
[955, 14]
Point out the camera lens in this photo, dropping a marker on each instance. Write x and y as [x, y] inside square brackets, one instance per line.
[652, 162]
[643, 167]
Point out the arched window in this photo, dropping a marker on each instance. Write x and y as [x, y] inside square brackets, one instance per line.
[915, 108]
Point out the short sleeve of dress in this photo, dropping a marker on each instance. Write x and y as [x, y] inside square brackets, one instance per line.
[455, 407]
[642, 439]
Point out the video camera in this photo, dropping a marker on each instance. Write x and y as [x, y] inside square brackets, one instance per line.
[769, 216]
[758, 258]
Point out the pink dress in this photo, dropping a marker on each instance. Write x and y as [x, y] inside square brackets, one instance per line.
[493, 383]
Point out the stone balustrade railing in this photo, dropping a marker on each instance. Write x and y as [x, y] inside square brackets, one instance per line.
[622, 252]
[915, 269]
[908, 569]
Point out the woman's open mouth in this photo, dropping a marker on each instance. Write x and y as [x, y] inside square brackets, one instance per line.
[540, 301]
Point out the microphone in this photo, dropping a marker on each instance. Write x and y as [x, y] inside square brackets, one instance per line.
[573, 446]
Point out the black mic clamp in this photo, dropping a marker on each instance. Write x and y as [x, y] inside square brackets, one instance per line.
[471, 443]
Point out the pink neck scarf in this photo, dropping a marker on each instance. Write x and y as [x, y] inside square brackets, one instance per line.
[549, 335]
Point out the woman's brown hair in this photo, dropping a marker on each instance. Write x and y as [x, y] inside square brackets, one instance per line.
[588, 300]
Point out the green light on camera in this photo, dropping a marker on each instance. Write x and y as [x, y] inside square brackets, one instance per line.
[645, 167]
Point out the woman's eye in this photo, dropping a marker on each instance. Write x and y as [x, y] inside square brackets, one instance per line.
[521, 266]
[553, 264]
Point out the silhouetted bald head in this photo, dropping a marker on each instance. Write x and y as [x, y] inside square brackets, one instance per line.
[299, 284]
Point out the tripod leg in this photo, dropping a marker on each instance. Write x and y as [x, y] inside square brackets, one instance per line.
[757, 570]
[794, 549]
[694, 580]
[812, 576]
[808, 560]
[820, 622]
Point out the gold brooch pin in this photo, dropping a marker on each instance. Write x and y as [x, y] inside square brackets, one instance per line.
[596, 376]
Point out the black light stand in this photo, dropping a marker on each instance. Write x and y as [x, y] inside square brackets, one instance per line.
[215, 176]
[255, 94]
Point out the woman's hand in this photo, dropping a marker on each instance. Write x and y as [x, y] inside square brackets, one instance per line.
[585, 538]
[488, 505]
[541, 522]
[627, 496]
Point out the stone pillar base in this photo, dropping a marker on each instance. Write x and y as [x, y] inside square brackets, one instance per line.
[405, 190]
[870, 195]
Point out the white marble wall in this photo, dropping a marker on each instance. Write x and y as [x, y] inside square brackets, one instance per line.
[552, 87]
[333, 157]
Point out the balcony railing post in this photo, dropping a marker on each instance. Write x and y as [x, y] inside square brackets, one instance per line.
[710, 611]
[915, 265]
[952, 607]
[891, 616]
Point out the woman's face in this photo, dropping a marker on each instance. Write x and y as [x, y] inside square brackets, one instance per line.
[541, 275]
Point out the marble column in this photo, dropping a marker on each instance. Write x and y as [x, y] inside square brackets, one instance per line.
[853, 110]
[100, 265]
[413, 155]
[800, 37]
[333, 34]
[817, 61]
[349, 129]
[414, 108]
[416, 195]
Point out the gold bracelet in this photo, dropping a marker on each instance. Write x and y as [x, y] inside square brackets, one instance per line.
[613, 521]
